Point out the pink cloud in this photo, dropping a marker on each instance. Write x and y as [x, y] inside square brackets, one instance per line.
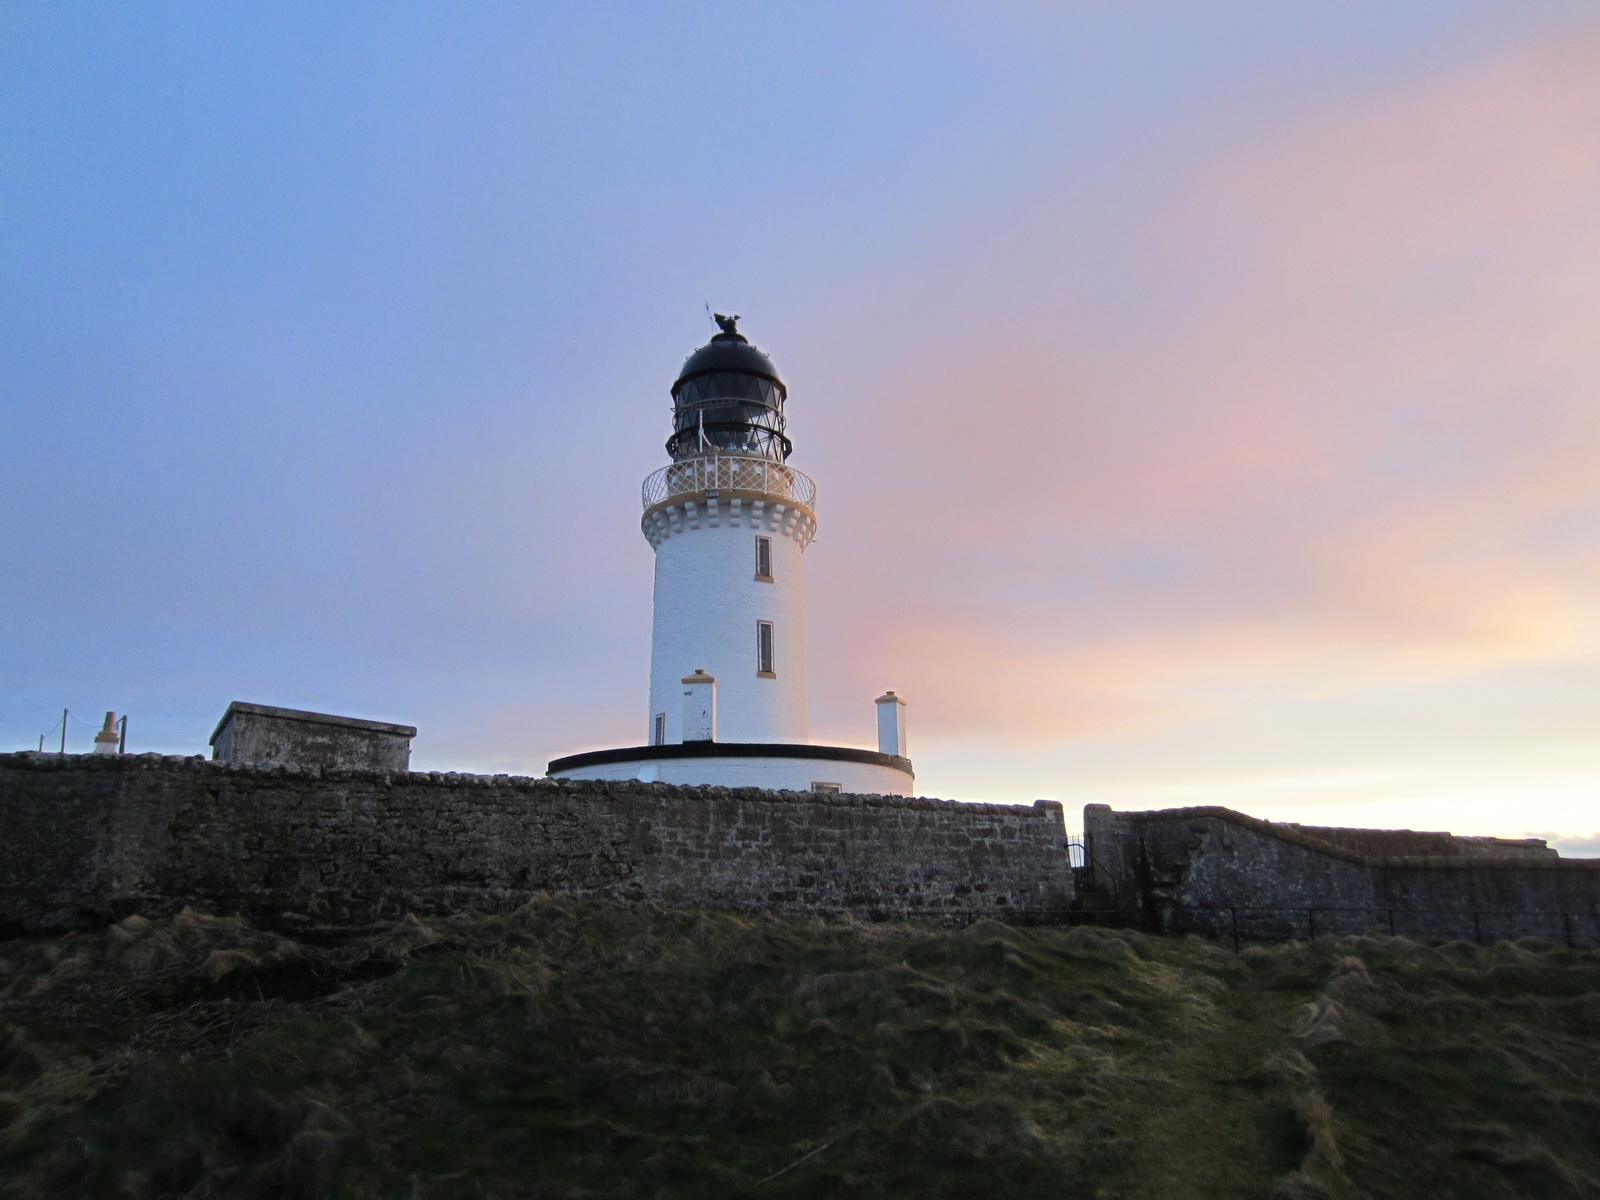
[1318, 407]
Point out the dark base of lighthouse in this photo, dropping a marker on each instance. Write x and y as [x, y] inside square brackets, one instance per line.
[776, 766]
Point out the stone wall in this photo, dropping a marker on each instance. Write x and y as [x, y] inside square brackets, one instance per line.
[1220, 871]
[85, 839]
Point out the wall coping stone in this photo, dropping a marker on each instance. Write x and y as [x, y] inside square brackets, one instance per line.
[48, 761]
[1332, 850]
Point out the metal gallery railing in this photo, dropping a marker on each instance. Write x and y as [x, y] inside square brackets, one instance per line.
[732, 473]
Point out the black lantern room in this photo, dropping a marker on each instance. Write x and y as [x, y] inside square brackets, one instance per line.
[728, 400]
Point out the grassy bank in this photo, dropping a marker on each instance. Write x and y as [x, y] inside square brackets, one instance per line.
[593, 1050]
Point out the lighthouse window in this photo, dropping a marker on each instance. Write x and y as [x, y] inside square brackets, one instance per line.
[660, 731]
[764, 655]
[764, 559]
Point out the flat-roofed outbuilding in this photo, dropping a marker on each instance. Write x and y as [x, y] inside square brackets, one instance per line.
[267, 736]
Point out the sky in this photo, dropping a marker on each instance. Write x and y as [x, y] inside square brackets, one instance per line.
[1201, 396]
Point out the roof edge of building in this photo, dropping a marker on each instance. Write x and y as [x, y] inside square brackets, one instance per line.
[312, 718]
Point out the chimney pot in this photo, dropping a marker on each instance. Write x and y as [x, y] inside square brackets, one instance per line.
[891, 725]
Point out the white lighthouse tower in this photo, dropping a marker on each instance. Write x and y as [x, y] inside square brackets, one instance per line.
[730, 521]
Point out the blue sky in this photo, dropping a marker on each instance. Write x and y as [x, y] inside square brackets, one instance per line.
[1198, 393]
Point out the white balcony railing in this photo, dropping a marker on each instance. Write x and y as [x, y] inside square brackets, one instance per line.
[729, 472]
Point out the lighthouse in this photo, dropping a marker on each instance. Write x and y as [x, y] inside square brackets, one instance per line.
[729, 521]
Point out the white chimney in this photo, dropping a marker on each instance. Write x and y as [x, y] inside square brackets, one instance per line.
[891, 725]
[699, 707]
[105, 742]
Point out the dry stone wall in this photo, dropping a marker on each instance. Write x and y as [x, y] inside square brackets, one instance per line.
[1221, 871]
[86, 839]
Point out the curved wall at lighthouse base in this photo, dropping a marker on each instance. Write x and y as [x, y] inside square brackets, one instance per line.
[775, 766]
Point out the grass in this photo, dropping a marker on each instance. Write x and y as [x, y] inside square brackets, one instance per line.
[596, 1050]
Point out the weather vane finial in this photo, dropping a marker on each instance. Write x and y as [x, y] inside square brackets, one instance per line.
[727, 324]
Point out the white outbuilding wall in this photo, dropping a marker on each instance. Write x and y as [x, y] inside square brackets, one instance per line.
[708, 602]
[791, 774]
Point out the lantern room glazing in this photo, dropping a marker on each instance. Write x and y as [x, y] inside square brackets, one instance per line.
[728, 399]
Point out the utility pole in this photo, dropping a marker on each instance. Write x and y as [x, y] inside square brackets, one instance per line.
[63, 732]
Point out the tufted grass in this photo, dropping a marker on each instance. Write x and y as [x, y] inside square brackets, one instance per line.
[597, 1050]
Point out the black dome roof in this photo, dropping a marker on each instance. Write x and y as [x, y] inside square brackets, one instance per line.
[728, 352]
